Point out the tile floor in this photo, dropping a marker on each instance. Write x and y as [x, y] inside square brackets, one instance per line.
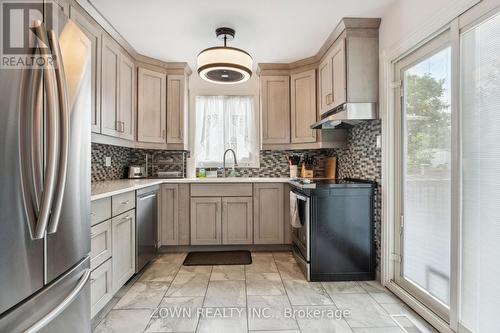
[169, 297]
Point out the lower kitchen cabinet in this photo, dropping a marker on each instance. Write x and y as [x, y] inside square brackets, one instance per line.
[237, 224]
[169, 225]
[123, 244]
[174, 215]
[206, 221]
[268, 204]
[101, 287]
[100, 243]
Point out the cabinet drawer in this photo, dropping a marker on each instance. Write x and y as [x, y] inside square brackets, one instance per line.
[101, 289]
[123, 202]
[100, 243]
[221, 190]
[100, 210]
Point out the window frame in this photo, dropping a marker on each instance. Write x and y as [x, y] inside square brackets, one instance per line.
[256, 112]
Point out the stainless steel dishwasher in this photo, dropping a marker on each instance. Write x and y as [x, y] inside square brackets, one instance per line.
[146, 226]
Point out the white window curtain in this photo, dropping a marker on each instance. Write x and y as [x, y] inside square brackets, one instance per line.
[224, 122]
[480, 285]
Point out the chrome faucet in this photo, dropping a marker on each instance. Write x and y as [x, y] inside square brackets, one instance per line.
[224, 161]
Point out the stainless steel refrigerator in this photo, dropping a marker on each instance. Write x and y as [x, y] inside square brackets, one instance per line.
[45, 181]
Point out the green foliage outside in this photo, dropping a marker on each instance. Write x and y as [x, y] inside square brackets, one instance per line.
[428, 120]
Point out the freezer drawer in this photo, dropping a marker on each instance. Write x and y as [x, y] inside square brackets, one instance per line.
[63, 306]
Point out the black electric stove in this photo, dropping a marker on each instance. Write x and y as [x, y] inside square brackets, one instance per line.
[332, 228]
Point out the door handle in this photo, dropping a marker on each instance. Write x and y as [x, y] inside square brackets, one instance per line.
[147, 196]
[63, 102]
[30, 129]
[51, 160]
[62, 306]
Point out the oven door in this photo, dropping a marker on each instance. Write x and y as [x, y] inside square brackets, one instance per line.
[300, 220]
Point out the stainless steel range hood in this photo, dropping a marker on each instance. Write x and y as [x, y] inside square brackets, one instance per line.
[347, 115]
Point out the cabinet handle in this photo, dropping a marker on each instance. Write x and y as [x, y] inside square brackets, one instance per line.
[125, 202]
[125, 218]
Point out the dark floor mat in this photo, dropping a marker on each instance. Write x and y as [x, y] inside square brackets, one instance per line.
[218, 258]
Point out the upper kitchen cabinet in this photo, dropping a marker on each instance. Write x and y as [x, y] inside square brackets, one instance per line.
[151, 106]
[94, 34]
[177, 101]
[348, 71]
[275, 109]
[332, 71]
[117, 91]
[126, 98]
[303, 106]
[109, 86]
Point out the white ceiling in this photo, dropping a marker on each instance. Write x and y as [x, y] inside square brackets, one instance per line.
[270, 30]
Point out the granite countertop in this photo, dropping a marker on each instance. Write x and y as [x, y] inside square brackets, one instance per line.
[108, 188]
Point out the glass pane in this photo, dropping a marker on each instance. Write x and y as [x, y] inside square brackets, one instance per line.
[480, 104]
[427, 153]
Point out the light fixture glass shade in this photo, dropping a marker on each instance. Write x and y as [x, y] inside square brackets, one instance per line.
[224, 65]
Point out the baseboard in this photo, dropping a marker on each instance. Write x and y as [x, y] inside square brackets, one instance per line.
[255, 248]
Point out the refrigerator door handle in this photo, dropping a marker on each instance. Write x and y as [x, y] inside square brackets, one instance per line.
[62, 306]
[47, 195]
[63, 102]
[30, 137]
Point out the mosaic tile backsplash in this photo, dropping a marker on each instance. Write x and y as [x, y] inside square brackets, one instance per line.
[122, 157]
[359, 159]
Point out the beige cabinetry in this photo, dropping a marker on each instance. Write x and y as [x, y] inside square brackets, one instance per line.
[237, 220]
[169, 226]
[109, 86]
[268, 213]
[101, 287]
[126, 98]
[206, 221]
[174, 215]
[151, 106]
[117, 91]
[177, 98]
[303, 106]
[332, 81]
[112, 246]
[123, 243]
[275, 109]
[100, 243]
[94, 35]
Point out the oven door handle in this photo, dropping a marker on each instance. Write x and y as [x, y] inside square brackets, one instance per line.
[300, 197]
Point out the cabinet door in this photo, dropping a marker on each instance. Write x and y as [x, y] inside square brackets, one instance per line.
[268, 214]
[100, 243]
[169, 228]
[123, 244]
[126, 101]
[275, 109]
[109, 87]
[325, 84]
[91, 30]
[303, 106]
[176, 108]
[206, 221]
[101, 287]
[237, 224]
[151, 106]
[339, 73]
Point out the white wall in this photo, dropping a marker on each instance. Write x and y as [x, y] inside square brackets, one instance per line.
[198, 86]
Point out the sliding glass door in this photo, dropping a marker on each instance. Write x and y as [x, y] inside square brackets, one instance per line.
[480, 115]
[424, 109]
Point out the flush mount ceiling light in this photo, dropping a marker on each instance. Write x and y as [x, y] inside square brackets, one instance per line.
[224, 64]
